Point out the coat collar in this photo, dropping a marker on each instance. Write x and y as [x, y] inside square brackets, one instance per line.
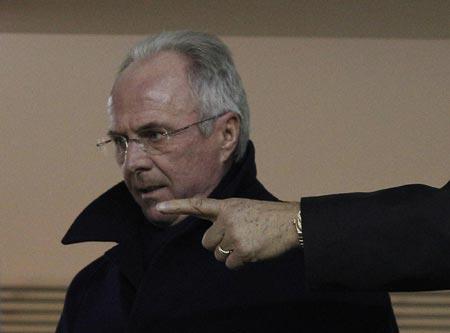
[115, 216]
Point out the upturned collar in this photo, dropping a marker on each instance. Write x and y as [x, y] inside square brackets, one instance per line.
[115, 217]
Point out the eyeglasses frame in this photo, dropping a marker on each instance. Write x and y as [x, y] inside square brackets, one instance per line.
[167, 134]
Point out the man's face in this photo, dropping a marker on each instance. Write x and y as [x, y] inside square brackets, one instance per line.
[154, 94]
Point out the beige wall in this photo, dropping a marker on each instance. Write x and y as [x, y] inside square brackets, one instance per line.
[328, 115]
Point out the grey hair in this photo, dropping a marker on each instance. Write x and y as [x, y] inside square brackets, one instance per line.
[212, 76]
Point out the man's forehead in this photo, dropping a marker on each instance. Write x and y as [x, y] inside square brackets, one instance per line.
[155, 107]
[155, 90]
[160, 68]
[140, 116]
[157, 83]
[157, 100]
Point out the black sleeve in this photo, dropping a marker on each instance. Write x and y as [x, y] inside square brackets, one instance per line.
[396, 239]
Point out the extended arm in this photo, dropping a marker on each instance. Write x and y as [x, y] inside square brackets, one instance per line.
[393, 239]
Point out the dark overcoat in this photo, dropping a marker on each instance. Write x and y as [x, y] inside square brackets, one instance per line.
[163, 280]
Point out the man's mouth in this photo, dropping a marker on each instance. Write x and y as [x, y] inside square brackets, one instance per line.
[149, 189]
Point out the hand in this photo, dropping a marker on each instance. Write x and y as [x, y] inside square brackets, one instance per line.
[253, 230]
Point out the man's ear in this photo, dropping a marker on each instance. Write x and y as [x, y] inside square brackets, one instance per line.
[230, 125]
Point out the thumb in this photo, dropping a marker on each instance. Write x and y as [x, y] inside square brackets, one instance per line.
[207, 209]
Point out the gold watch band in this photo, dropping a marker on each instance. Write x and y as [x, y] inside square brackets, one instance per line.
[297, 221]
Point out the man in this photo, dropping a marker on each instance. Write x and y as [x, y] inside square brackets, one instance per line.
[179, 126]
[396, 239]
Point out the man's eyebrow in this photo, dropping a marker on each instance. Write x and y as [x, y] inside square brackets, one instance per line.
[148, 126]
[140, 129]
[112, 133]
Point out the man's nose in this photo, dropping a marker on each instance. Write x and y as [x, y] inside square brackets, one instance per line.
[136, 158]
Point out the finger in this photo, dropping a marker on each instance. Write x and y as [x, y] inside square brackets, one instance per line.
[234, 261]
[226, 245]
[220, 255]
[212, 237]
[207, 209]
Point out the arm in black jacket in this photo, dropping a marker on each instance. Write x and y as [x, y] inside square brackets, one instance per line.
[395, 239]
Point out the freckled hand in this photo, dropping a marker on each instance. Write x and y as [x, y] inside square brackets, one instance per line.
[242, 230]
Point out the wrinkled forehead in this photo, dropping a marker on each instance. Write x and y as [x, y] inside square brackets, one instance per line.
[158, 84]
[152, 99]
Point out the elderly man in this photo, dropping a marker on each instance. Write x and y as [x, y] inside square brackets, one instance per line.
[179, 128]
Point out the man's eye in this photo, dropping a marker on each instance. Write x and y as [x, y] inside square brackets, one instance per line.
[119, 142]
[154, 136]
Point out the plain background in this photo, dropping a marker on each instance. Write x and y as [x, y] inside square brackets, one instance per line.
[344, 96]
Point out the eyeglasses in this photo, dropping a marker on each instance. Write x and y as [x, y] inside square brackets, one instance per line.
[151, 141]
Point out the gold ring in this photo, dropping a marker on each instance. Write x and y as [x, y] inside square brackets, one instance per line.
[226, 252]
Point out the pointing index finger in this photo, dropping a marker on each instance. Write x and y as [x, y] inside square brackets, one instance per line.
[207, 209]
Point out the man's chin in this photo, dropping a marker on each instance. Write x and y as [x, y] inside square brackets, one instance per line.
[160, 220]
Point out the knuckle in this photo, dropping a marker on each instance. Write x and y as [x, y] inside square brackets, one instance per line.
[246, 252]
[226, 221]
[240, 246]
[232, 203]
[196, 203]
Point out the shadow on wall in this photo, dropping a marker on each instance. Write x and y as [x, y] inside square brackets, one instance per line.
[313, 18]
